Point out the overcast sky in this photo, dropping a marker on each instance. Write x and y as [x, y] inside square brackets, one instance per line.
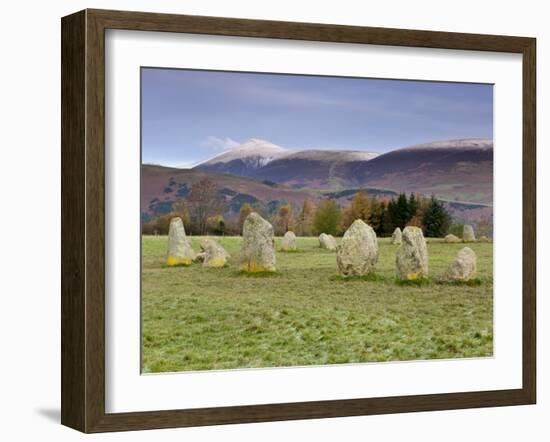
[189, 116]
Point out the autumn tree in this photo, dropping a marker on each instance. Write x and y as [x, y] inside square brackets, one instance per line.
[284, 218]
[305, 218]
[159, 226]
[358, 209]
[484, 227]
[327, 217]
[246, 209]
[216, 225]
[204, 202]
[179, 208]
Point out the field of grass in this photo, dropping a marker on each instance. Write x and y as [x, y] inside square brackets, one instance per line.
[205, 319]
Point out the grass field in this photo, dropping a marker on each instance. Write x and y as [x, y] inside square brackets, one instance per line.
[204, 319]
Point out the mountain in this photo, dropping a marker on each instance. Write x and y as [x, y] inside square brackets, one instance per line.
[315, 168]
[458, 170]
[245, 158]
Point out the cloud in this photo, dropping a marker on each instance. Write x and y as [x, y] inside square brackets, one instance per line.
[220, 143]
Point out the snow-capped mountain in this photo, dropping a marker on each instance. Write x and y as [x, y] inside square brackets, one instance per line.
[249, 155]
[459, 170]
[259, 158]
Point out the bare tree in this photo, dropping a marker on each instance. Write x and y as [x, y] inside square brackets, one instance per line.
[204, 202]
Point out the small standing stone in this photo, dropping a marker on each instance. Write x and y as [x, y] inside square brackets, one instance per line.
[397, 236]
[257, 251]
[468, 235]
[483, 238]
[412, 257]
[463, 267]
[358, 252]
[327, 242]
[214, 255]
[450, 238]
[180, 251]
[289, 242]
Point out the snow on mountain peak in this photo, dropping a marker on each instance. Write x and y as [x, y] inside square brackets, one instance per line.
[459, 144]
[255, 151]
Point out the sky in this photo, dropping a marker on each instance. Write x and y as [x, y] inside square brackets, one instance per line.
[189, 116]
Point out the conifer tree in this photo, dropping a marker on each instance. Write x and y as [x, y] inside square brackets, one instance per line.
[436, 220]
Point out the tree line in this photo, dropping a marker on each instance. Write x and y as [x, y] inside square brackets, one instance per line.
[202, 212]
[384, 215]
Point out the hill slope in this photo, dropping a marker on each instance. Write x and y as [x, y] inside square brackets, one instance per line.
[459, 170]
[161, 186]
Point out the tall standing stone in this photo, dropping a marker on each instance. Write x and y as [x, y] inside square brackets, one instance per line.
[180, 251]
[214, 255]
[412, 257]
[463, 267]
[397, 236]
[468, 235]
[289, 242]
[358, 252]
[327, 242]
[257, 250]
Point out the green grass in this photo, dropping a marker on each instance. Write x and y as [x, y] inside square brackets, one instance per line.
[202, 319]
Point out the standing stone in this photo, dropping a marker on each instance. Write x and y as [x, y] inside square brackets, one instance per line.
[358, 252]
[257, 250]
[180, 251]
[463, 267]
[289, 242]
[450, 238]
[483, 238]
[468, 235]
[412, 257]
[327, 242]
[396, 237]
[214, 255]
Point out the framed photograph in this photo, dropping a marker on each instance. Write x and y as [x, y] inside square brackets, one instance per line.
[269, 220]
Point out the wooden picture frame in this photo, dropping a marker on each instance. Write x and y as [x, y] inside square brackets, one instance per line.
[83, 220]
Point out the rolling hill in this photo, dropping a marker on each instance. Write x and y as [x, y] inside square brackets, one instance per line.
[162, 186]
[459, 170]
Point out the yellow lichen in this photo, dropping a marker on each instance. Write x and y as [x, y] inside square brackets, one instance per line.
[177, 261]
[252, 267]
[215, 262]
